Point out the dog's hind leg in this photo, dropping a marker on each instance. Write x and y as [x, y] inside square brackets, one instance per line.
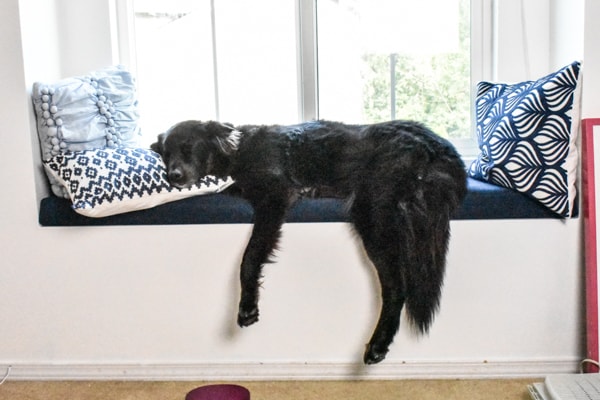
[269, 214]
[389, 319]
[378, 226]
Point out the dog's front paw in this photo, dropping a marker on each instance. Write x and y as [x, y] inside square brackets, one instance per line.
[247, 318]
[374, 355]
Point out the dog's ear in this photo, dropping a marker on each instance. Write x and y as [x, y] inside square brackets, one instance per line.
[158, 145]
[227, 138]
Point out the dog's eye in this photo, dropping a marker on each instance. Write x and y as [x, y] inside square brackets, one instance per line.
[186, 152]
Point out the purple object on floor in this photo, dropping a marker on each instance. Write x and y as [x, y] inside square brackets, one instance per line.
[219, 392]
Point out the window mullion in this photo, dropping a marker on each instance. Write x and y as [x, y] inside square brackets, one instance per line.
[308, 81]
[123, 29]
[215, 59]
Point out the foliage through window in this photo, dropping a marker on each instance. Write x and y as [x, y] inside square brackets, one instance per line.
[396, 59]
[240, 61]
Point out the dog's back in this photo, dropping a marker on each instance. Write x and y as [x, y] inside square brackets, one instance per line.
[393, 154]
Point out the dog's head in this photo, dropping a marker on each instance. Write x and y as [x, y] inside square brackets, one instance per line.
[193, 149]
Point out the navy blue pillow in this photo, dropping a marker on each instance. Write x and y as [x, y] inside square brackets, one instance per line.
[527, 136]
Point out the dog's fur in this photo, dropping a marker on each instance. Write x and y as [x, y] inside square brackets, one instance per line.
[401, 181]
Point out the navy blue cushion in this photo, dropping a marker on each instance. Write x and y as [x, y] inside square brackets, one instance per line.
[483, 201]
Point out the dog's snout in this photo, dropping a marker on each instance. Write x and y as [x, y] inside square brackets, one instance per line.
[175, 175]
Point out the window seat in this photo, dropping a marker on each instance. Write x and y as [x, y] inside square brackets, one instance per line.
[483, 201]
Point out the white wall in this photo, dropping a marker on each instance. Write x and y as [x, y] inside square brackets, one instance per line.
[535, 37]
[566, 31]
[159, 302]
[522, 48]
[591, 99]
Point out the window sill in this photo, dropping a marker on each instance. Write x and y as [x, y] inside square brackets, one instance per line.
[483, 201]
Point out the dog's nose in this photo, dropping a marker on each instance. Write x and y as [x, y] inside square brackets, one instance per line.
[175, 175]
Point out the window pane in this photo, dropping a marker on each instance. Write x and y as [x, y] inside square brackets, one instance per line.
[395, 59]
[174, 62]
[256, 57]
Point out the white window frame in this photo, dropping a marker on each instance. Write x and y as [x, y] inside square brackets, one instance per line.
[308, 77]
[123, 33]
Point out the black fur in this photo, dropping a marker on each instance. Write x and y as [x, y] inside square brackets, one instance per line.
[402, 183]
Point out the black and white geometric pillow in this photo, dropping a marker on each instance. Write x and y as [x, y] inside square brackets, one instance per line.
[527, 135]
[104, 182]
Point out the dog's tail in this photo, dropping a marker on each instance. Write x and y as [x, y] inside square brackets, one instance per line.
[424, 272]
[428, 225]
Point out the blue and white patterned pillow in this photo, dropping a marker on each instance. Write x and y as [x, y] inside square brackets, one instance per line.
[527, 136]
[104, 182]
[94, 111]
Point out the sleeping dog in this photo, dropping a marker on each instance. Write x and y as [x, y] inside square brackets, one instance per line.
[402, 183]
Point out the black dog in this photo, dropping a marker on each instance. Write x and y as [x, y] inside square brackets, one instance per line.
[402, 183]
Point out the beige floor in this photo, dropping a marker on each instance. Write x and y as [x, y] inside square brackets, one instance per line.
[292, 390]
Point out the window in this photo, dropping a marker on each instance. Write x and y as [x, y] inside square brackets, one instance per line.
[285, 61]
